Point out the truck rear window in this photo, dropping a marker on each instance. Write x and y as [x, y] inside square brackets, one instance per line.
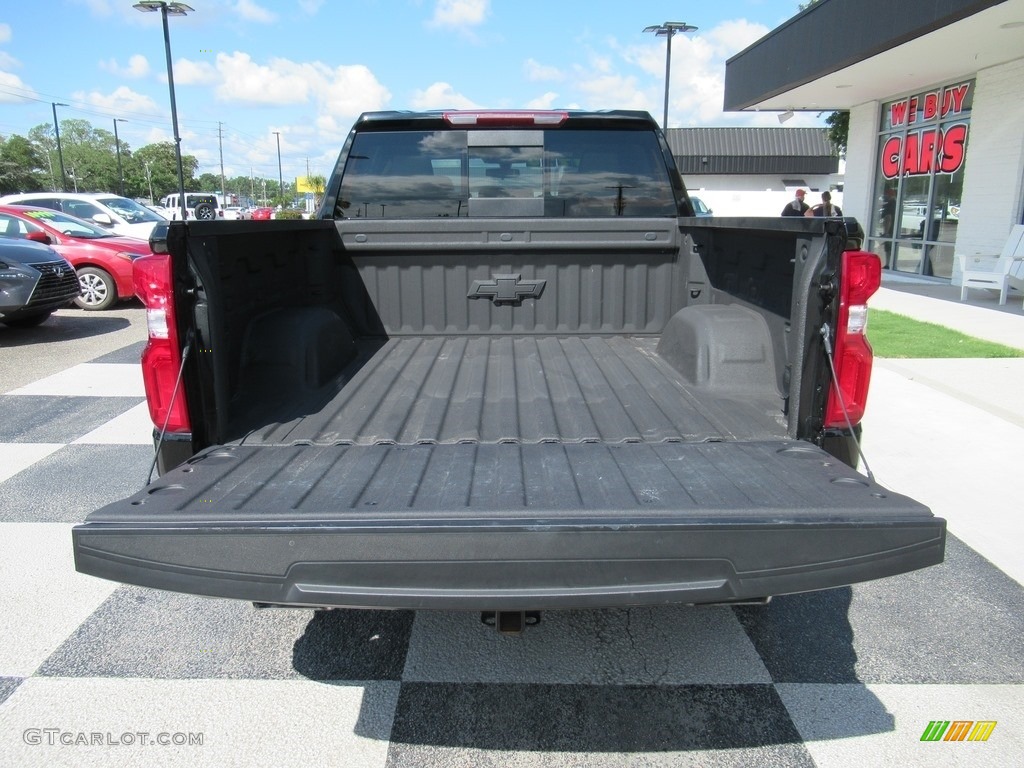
[555, 173]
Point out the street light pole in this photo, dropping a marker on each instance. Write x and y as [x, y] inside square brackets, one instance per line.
[60, 153]
[170, 9]
[280, 177]
[117, 146]
[668, 30]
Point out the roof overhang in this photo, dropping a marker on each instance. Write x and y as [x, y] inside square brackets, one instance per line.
[837, 54]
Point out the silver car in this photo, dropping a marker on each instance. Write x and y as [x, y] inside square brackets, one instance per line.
[35, 281]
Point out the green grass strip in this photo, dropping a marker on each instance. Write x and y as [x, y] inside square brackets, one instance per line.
[893, 335]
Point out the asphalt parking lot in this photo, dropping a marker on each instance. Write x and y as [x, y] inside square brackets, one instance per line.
[96, 673]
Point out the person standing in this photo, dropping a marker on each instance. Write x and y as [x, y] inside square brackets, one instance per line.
[796, 207]
[886, 219]
[826, 208]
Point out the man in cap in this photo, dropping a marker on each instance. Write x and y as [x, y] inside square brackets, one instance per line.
[797, 207]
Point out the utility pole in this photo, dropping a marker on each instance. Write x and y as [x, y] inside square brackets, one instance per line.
[117, 146]
[149, 180]
[223, 184]
[280, 177]
[60, 152]
[49, 161]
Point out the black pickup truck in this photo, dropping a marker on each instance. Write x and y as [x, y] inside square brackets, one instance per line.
[507, 369]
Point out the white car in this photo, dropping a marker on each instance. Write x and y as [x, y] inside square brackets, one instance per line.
[202, 206]
[159, 210]
[118, 214]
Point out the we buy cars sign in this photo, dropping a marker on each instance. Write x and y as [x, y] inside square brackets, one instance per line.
[939, 147]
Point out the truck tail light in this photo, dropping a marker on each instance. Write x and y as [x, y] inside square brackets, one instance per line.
[161, 359]
[861, 277]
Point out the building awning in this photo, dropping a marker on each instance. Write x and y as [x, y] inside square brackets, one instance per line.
[837, 54]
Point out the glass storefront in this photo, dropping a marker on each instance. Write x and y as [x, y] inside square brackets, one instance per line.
[919, 176]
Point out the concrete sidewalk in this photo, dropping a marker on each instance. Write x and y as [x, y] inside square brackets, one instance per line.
[950, 432]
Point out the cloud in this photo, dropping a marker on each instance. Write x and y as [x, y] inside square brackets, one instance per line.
[138, 66]
[8, 62]
[459, 13]
[243, 80]
[697, 85]
[346, 91]
[613, 92]
[98, 7]
[441, 96]
[547, 101]
[5, 33]
[188, 72]
[535, 71]
[310, 7]
[123, 101]
[342, 91]
[250, 11]
[731, 37]
[12, 81]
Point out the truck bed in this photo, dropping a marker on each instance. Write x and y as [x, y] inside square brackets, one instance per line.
[376, 435]
[527, 389]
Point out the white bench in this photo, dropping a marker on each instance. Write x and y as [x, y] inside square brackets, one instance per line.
[995, 273]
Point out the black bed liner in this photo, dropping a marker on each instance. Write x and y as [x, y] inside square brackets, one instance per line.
[526, 389]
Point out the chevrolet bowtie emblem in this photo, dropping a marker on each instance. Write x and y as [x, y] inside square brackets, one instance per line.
[506, 289]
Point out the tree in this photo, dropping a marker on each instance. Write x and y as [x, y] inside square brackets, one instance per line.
[839, 130]
[21, 166]
[209, 182]
[318, 184]
[157, 164]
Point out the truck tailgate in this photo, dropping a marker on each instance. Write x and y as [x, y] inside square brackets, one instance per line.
[508, 526]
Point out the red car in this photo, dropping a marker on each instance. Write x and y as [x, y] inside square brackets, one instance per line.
[103, 261]
[262, 214]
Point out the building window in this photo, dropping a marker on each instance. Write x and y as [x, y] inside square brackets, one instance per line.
[919, 176]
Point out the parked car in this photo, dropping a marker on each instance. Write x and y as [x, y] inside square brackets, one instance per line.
[35, 281]
[700, 207]
[115, 214]
[262, 214]
[159, 210]
[203, 206]
[103, 261]
[235, 213]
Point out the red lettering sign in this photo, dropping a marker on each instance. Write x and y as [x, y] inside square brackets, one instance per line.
[953, 149]
[953, 99]
[898, 112]
[891, 157]
[924, 151]
[929, 106]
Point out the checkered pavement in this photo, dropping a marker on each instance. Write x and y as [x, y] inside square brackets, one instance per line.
[843, 677]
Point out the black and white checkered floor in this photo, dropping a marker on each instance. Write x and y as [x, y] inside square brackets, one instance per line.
[93, 673]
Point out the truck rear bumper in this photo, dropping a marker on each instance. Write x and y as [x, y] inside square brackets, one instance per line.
[509, 527]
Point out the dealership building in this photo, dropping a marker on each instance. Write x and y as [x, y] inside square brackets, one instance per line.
[935, 91]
